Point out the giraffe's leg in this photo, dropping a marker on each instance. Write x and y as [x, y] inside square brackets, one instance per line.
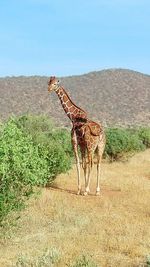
[75, 148]
[78, 171]
[100, 150]
[98, 175]
[87, 188]
[85, 172]
[84, 164]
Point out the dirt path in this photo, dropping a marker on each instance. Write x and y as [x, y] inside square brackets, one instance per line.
[113, 228]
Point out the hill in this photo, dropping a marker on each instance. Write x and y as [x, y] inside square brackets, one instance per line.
[113, 96]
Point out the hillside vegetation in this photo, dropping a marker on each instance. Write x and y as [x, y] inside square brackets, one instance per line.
[114, 97]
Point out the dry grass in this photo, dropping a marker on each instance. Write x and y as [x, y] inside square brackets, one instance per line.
[114, 228]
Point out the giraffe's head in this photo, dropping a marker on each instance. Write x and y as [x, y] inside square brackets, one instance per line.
[53, 84]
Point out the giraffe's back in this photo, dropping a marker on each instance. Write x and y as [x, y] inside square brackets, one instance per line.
[95, 128]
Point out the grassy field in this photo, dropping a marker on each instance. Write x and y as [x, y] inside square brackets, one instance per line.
[59, 227]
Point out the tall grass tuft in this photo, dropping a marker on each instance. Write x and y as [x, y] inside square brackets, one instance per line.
[84, 261]
[49, 258]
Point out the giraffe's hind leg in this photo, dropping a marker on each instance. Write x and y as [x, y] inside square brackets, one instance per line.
[99, 152]
[98, 174]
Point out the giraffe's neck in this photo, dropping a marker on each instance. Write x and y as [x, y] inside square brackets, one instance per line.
[72, 111]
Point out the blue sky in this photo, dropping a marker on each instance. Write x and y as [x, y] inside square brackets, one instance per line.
[44, 37]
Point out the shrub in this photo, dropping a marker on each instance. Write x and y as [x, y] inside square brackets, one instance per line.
[148, 261]
[120, 142]
[25, 161]
[35, 125]
[43, 131]
[53, 143]
[64, 139]
[57, 160]
[20, 168]
[144, 135]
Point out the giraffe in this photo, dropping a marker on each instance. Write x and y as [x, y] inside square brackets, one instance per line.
[86, 134]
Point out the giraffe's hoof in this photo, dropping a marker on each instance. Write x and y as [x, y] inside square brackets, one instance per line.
[97, 193]
[86, 193]
[79, 192]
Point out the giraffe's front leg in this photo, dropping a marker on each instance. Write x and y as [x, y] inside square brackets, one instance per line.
[78, 173]
[75, 148]
[84, 163]
[87, 187]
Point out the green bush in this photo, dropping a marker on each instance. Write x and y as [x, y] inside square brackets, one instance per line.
[35, 125]
[43, 131]
[148, 261]
[53, 143]
[120, 142]
[20, 167]
[25, 161]
[144, 135]
[64, 138]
